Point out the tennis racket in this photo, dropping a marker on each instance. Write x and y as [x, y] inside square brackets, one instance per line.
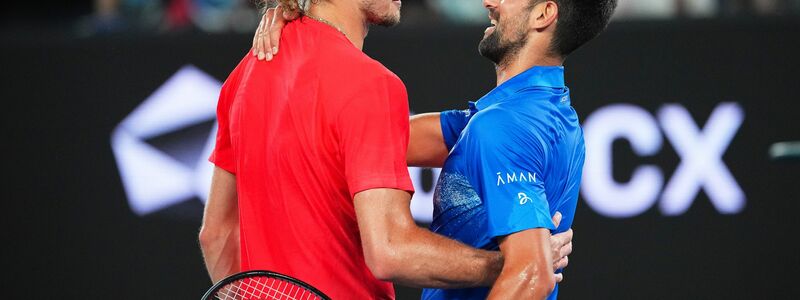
[262, 285]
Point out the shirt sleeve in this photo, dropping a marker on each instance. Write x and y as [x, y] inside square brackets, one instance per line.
[223, 155]
[453, 123]
[373, 136]
[507, 172]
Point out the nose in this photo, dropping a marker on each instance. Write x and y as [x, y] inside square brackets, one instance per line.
[490, 4]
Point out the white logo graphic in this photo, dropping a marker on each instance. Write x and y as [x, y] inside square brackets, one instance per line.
[512, 177]
[523, 198]
[701, 164]
[154, 180]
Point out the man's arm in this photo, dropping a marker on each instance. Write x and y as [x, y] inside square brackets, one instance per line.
[426, 146]
[219, 235]
[397, 250]
[527, 273]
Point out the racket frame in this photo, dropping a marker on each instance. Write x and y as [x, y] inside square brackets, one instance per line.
[261, 273]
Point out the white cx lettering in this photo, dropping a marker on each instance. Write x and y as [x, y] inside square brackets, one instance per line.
[701, 159]
[700, 151]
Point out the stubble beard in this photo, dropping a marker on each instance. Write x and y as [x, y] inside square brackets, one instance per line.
[387, 19]
[502, 51]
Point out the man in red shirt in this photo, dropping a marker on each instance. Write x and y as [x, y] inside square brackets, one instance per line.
[311, 178]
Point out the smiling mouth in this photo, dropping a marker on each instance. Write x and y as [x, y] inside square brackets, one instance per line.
[492, 26]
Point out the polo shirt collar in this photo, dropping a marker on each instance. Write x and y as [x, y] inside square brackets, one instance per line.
[551, 77]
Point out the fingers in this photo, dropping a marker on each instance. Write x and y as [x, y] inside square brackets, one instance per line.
[561, 263]
[559, 278]
[557, 219]
[275, 28]
[256, 41]
[561, 239]
[566, 250]
[260, 45]
[268, 35]
[562, 247]
[265, 51]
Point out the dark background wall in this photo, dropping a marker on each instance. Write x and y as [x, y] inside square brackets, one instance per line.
[68, 227]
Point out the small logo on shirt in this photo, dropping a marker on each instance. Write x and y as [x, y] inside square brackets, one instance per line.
[515, 177]
[523, 198]
[564, 99]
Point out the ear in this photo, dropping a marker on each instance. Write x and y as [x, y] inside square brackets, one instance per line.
[544, 14]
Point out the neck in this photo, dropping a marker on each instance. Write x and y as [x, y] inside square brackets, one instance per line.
[526, 58]
[346, 16]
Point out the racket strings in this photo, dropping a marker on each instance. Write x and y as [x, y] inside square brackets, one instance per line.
[263, 288]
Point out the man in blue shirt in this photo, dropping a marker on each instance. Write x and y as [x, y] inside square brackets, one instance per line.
[515, 157]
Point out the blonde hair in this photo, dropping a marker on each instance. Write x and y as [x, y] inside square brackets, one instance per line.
[294, 6]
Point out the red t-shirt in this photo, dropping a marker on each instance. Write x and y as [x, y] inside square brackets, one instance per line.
[303, 134]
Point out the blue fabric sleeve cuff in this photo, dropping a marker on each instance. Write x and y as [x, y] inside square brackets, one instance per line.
[453, 122]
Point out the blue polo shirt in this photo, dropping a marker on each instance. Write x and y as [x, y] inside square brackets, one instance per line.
[516, 157]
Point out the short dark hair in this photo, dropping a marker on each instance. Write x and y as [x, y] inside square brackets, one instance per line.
[580, 21]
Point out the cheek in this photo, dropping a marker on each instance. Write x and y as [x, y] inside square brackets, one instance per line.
[380, 7]
[391, 7]
[514, 23]
[504, 28]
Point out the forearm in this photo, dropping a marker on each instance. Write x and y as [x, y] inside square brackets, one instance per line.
[219, 235]
[397, 250]
[520, 284]
[425, 259]
[527, 272]
[221, 252]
